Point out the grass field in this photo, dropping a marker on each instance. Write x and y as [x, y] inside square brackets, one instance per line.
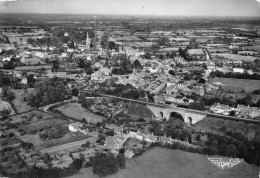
[165, 163]
[237, 85]
[214, 124]
[18, 102]
[74, 110]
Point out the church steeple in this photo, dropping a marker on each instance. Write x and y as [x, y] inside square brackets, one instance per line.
[88, 42]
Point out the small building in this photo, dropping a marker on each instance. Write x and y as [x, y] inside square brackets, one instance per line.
[75, 127]
[238, 70]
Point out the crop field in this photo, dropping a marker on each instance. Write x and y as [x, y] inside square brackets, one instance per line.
[127, 38]
[32, 115]
[74, 110]
[235, 57]
[143, 44]
[42, 124]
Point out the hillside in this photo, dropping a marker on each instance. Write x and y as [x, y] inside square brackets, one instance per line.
[216, 125]
[140, 110]
[165, 163]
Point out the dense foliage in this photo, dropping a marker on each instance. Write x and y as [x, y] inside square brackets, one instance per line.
[49, 91]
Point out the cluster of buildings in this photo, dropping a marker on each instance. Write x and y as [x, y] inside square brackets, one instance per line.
[239, 111]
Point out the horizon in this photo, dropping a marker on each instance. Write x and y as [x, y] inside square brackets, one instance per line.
[143, 15]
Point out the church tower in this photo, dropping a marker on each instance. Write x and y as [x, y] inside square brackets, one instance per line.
[88, 42]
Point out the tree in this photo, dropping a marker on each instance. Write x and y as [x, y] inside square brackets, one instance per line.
[121, 161]
[112, 45]
[232, 113]
[55, 65]
[104, 164]
[75, 92]
[76, 164]
[172, 72]
[137, 64]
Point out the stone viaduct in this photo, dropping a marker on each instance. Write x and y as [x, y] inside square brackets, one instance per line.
[189, 116]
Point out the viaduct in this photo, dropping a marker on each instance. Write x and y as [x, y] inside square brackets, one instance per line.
[188, 115]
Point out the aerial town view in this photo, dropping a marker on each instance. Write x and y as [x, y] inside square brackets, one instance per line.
[130, 88]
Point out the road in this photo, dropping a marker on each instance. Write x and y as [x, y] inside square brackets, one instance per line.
[184, 109]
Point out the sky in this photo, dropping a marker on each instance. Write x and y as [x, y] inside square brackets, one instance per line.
[135, 7]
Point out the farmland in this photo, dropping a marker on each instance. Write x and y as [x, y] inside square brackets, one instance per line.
[42, 124]
[235, 57]
[32, 116]
[74, 110]
[165, 163]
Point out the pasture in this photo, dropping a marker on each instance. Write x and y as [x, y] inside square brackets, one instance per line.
[74, 110]
[166, 163]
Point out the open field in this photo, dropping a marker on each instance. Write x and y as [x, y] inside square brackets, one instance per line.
[74, 110]
[43, 124]
[237, 85]
[215, 124]
[18, 102]
[165, 163]
[235, 57]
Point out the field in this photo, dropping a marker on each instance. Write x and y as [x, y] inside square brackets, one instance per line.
[20, 68]
[215, 124]
[32, 115]
[165, 163]
[235, 57]
[18, 102]
[253, 48]
[40, 144]
[237, 85]
[43, 124]
[74, 110]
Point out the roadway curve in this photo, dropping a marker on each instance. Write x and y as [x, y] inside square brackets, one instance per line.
[179, 108]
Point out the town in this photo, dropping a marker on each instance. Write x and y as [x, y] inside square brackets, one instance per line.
[82, 91]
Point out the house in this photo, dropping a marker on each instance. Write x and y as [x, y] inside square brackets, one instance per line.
[129, 153]
[133, 132]
[151, 138]
[221, 109]
[238, 70]
[165, 139]
[75, 127]
[115, 142]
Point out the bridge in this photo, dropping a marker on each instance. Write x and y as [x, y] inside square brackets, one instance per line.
[188, 115]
